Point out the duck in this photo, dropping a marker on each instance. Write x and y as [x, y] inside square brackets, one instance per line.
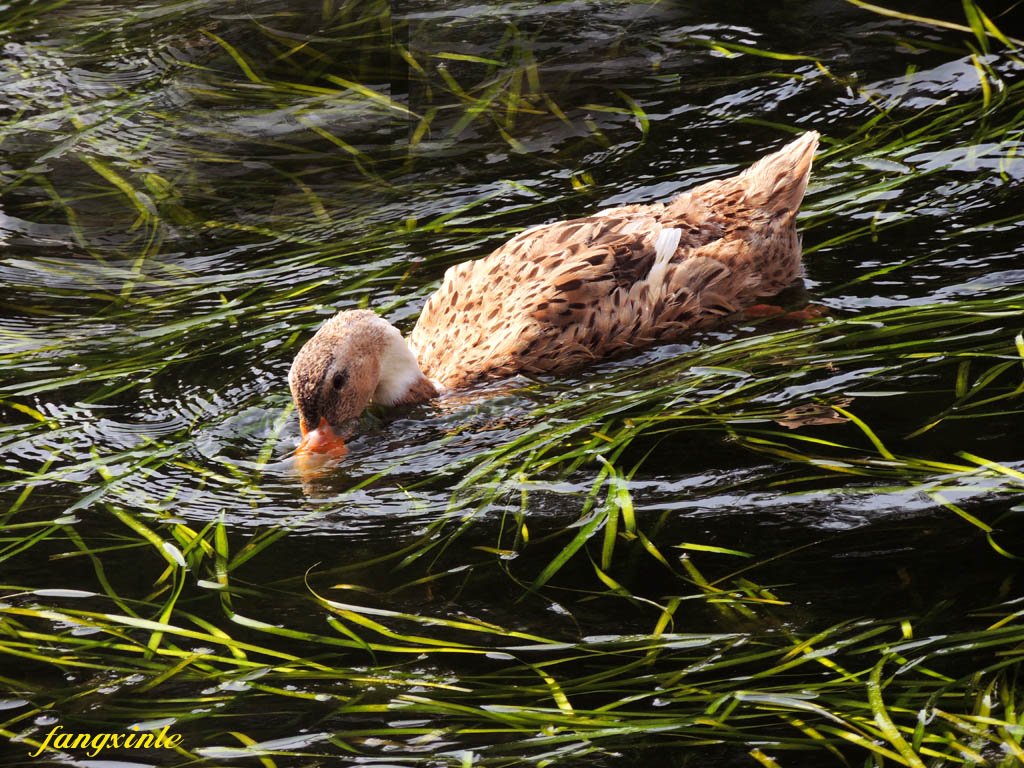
[562, 294]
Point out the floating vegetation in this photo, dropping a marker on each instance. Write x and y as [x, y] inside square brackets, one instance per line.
[777, 544]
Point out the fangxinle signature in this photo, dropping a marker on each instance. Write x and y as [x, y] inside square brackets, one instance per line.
[99, 741]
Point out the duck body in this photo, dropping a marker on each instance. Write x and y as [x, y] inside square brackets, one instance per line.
[569, 292]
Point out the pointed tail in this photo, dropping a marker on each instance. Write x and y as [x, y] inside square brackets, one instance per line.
[777, 181]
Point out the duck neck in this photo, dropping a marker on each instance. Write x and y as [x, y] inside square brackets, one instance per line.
[401, 380]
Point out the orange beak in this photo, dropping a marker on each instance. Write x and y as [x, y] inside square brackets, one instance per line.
[322, 440]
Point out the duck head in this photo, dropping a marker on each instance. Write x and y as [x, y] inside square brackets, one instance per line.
[354, 358]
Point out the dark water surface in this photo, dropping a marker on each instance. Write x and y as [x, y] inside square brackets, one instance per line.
[189, 189]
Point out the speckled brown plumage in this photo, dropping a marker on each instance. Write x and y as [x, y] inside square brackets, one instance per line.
[561, 294]
[565, 293]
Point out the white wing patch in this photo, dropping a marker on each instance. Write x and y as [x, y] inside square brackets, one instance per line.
[664, 249]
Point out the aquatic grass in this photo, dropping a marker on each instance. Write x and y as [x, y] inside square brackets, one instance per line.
[734, 372]
[978, 22]
[707, 712]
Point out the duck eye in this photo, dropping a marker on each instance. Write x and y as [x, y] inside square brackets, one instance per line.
[340, 379]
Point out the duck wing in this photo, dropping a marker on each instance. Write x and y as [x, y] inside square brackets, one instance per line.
[566, 293]
[569, 292]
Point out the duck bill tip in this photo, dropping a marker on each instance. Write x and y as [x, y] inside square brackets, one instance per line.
[322, 440]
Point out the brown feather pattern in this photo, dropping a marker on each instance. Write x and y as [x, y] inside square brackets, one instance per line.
[564, 293]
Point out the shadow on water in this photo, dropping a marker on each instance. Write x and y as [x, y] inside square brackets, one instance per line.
[773, 542]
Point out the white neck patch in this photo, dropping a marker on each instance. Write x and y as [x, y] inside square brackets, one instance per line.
[399, 370]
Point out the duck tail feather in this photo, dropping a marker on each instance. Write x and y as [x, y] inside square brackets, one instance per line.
[778, 181]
